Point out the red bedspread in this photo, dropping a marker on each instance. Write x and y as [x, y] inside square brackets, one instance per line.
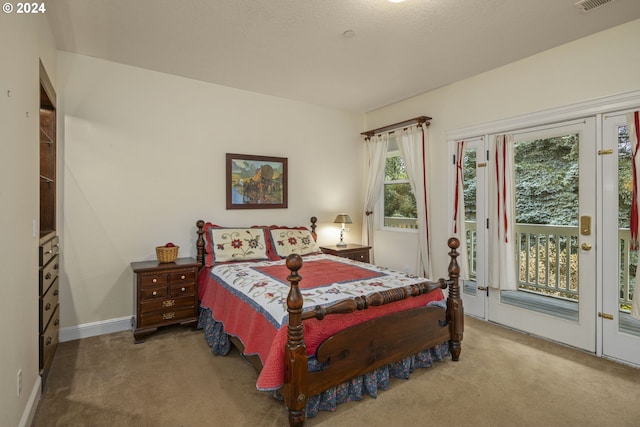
[264, 334]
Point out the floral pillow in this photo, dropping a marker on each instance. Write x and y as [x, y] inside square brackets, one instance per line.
[238, 244]
[287, 241]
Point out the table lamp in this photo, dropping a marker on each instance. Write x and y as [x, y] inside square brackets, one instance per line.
[343, 219]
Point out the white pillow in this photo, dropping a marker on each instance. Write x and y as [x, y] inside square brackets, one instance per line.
[238, 244]
[287, 241]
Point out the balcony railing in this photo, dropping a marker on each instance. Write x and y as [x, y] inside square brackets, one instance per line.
[401, 222]
[547, 260]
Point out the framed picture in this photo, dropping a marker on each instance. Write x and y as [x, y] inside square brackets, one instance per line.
[256, 182]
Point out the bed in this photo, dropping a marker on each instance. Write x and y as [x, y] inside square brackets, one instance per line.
[334, 336]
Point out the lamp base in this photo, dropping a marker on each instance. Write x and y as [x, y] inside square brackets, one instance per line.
[341, 243]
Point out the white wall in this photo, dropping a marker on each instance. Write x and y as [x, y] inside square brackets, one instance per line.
[144, 158]
[25, 39]
[604, 64]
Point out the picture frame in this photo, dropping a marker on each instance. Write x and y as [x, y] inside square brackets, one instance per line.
[256, 182]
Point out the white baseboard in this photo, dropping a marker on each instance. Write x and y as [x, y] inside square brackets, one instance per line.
[93, 329]
[32, 404]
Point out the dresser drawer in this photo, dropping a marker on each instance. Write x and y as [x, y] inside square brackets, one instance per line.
[48, 274]
[358, 256]
[49, 340]
[167, 303]
[182, 277]
[153, 279]
[48, 305]
[48, 250]
[184, 289]
[168, 316]
[153, 293]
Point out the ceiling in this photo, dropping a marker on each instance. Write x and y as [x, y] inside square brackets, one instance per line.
[297, 49]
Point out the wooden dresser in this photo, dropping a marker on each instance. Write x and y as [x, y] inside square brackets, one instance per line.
[165, 294]
[351, 251]
[49, 307]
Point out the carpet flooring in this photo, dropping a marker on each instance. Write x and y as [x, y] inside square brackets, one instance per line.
[504, 378]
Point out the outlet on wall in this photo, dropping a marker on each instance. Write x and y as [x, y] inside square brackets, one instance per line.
[19, 389]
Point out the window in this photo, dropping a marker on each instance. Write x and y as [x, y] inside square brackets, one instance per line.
[400, 210]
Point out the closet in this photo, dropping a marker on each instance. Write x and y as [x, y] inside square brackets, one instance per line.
[49, 264]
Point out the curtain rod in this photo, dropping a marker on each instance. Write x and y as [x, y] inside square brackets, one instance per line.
[416, 120]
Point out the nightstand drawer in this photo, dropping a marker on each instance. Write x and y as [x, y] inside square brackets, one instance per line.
[350, 251]
[185, 289]
[168, 316]
[153, 293]
[167, 303]
[48, 304]
[358, 256]
[182, 277]
[153, 279]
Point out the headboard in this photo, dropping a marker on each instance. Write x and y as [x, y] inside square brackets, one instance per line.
[201, 245]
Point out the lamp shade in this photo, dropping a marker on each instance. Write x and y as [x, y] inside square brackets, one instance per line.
[343, 218]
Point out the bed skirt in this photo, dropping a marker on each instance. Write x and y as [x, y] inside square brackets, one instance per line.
[352, 390]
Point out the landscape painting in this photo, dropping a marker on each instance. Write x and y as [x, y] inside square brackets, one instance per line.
[256, 182]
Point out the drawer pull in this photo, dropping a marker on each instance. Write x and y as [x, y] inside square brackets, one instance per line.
[155, 280]
[154, 293]
[55, 293]
[183, 289]
[48, 252]
[56, 266]
[47, 276]
[168, 316]
[57, 322]
[48, 341]
[47, 307]
[183, 277]
[169, 303]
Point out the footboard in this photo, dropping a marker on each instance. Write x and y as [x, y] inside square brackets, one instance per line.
[369, 345]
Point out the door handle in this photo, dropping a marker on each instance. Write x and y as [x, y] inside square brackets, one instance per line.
[586, 246]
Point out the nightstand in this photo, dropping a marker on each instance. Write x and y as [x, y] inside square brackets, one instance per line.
[351, 251]
[165, 294]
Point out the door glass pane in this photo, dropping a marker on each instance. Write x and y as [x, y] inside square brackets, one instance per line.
[547, 183]
[628, 257]
[470, 188]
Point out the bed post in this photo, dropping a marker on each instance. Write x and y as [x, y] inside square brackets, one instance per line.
[455, 311]
[313, 224]
[200, 242]
[295, 353]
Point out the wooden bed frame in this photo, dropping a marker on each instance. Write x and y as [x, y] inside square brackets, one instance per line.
[367, 346]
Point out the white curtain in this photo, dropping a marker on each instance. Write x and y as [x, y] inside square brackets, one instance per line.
[633, 127]
[502, 273]
[376, 152]
[414, 150]
[459, 230]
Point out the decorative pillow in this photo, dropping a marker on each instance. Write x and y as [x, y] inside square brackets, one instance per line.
[238, 244]
[287, 241]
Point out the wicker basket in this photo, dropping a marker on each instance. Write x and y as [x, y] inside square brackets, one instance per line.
[165, 254]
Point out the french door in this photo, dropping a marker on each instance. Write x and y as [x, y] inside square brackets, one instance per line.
[555, 236]
[473, 161]
[620, 333]
[576, 270]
